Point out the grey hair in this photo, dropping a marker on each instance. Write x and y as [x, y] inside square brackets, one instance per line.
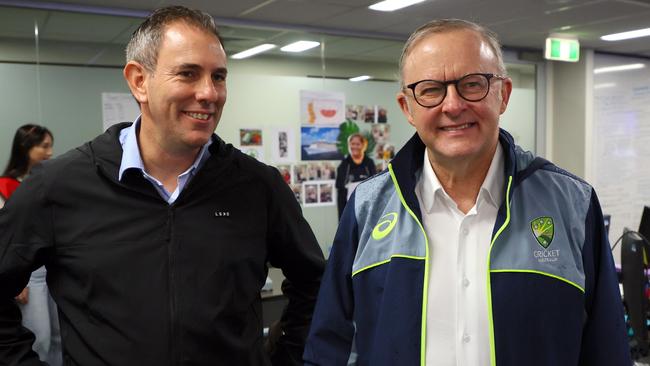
[145, 42]
[449, 25]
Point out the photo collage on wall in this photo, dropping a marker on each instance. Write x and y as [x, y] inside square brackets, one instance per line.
[311, 182]
[366, 113]
[325, 124]
[384, 151]
[321, 113]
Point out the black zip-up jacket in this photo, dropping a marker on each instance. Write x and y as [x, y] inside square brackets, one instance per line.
[141, 282]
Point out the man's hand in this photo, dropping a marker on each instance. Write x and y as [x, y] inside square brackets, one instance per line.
[23, 297]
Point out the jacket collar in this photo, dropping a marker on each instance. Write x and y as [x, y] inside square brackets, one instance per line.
[106, 151]
[408, 163]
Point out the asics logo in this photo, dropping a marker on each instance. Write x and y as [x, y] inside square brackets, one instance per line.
[384, 226]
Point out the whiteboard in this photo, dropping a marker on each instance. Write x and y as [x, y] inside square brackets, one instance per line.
[621, 146]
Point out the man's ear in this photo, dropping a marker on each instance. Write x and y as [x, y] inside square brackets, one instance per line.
[506, 89]
[136, 76]
[404, 106]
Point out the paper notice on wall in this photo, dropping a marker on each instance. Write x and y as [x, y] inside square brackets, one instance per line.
[283, 145]
[118, 107]
[321, 107]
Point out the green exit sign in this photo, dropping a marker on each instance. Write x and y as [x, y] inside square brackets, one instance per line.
[560, 49]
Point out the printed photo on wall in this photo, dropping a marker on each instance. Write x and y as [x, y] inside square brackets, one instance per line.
[311, 194]
[321, 107]
[297, 191]
[250, 137]
[300, 173]
[366, 113]
[283, 145]
[381, 133]
[319, 143]
[319, 193]
[384, 151]
[326, 193]
[355, 112]
[286, 172]
[256, 152]
[323, 170]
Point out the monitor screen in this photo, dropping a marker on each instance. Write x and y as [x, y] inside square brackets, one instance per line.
[633, 253]
[644, 227]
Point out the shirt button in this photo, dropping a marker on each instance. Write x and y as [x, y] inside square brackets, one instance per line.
[466, 338]
[465, 282]
[465, 231]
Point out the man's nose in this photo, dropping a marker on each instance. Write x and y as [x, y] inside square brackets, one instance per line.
[453, 103]
[207, 91]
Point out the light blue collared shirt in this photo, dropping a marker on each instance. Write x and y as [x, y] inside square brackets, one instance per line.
[131, 159]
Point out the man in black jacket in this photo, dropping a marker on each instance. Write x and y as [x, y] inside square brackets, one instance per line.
[157, 234]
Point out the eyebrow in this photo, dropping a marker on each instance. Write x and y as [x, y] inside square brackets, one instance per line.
[220, 70]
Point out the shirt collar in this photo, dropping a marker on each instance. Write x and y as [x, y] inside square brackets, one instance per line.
[495, 178]
[430, 184]
[131, 158]
[492, 186]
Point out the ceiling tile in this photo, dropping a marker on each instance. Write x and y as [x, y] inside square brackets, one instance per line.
[297, 12]
[19, 23]
[84, 27]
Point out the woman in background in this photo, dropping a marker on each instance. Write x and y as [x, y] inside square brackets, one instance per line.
[354, 168]
[33, 144]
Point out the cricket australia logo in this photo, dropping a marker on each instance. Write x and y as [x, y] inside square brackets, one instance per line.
[544, 230]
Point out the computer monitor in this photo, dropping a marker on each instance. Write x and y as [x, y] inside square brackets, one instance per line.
[634, 253]
[644, 226]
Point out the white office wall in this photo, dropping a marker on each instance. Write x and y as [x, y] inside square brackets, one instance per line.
[570, 117]
[70, 102]
[621, 136]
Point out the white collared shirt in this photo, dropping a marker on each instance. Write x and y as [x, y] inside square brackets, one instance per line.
[457, 310]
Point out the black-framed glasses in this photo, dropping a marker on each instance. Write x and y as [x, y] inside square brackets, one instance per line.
[471, 87]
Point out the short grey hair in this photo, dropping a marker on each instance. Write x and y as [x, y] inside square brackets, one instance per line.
[146, 40]
[449, 25]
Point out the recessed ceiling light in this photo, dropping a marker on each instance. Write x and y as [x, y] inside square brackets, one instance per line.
[604, 85]
[392, 5]
[253, 51]
[627, 35]
[360, 78]
[601, 70]
[299, 46]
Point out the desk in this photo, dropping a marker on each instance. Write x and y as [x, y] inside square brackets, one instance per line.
[273, 304]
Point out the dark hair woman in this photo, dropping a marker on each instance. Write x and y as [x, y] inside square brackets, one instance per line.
[33, 144]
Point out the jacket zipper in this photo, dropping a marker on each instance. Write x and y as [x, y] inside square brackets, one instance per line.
[493, 357]
[425, 287]
[172, 289]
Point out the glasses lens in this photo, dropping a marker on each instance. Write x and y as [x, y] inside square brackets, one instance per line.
[473, 87]
[430, 93]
